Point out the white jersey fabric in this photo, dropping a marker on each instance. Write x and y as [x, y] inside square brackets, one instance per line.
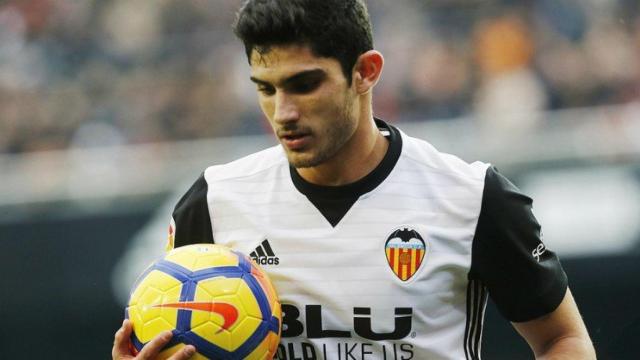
[395, 266]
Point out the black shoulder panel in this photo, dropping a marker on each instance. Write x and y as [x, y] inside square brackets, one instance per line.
[524, 278]
[191, 216]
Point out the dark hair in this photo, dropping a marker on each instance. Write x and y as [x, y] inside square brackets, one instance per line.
[338, 29]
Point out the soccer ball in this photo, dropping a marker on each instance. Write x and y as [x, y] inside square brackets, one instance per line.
[211, 297]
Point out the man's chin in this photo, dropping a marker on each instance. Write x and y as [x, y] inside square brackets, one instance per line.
[302, 164]
[301, 161]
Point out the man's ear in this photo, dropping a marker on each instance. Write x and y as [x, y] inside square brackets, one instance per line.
[367, 71]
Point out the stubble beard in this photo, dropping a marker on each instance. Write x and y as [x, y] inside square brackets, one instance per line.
[332, 140]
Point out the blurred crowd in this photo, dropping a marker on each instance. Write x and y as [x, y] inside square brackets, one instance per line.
[107, 72]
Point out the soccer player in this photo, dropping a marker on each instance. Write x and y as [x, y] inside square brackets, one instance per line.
[380, 246]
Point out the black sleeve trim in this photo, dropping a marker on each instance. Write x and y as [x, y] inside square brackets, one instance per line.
[191, 216]
[524, 278]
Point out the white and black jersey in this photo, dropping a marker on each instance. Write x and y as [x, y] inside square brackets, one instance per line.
[397, 265]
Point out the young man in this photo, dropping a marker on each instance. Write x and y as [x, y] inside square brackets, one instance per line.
[380, 246]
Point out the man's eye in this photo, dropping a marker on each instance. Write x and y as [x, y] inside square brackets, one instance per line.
[266, 90]
[305, 86]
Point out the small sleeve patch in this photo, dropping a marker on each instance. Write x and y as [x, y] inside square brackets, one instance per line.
[171, 236]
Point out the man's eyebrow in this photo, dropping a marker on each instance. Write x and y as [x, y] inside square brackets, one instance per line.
[258, 81]
[313, 73]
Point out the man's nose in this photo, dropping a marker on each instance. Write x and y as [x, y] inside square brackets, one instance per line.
[286, 109]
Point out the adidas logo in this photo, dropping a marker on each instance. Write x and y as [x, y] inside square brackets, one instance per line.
[264, 254]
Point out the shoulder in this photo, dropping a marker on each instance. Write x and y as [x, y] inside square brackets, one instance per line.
[191, 218]
[248, 166]
[421, 153]
[502, 198]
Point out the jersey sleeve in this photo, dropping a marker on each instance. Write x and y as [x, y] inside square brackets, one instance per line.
[524, 278]
[191, 220]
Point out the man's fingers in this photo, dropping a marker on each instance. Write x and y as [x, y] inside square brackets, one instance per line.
[121, 341]
[186, 353]
[121, 345]
[153, 347]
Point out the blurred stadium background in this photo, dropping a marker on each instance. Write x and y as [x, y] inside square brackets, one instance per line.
[110, 109]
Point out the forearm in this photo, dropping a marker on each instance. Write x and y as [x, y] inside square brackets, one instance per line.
[570, 347]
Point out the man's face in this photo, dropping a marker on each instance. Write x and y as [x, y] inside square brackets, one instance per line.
[307, 101]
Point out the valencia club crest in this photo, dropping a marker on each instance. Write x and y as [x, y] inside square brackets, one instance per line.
[405, 249]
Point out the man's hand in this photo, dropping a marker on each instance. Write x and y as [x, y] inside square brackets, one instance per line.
[121, 351]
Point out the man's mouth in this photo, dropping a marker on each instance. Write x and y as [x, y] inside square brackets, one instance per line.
[295, 141]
